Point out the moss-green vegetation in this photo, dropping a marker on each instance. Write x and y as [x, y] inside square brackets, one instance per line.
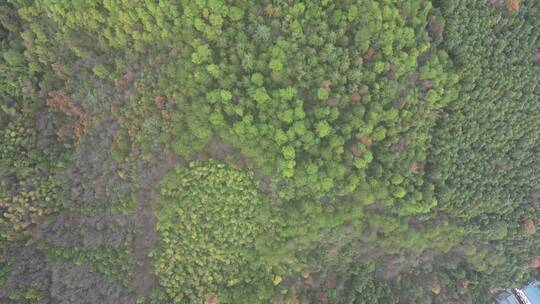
[28, 190]
[115, 263]
[4, 269]
[362, 287]
[27, 295]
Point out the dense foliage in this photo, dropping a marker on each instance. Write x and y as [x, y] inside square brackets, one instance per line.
[28, 190]
[320, 122]
[349, 151]
[484, 152]
[209, 218]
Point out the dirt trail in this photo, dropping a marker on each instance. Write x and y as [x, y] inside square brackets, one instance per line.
[145, 234]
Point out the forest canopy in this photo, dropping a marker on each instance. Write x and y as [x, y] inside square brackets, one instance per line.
[233, 151]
